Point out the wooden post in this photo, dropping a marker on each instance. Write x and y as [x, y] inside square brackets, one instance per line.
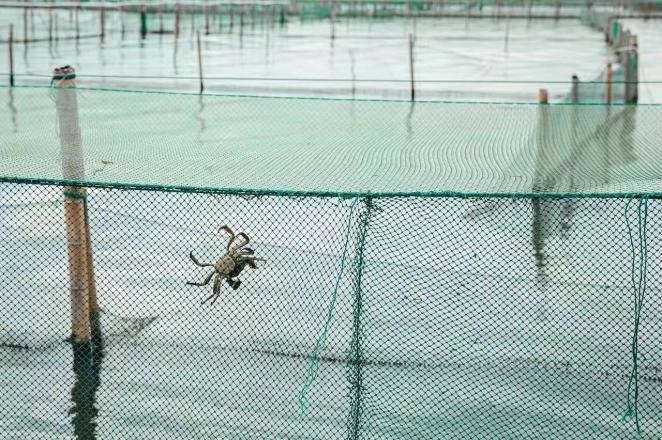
[543, 96]
[202, 86]
[608, 81]
[411, 66]
[81, 275]
[11, 54]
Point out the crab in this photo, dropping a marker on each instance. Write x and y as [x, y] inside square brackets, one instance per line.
[230, 265]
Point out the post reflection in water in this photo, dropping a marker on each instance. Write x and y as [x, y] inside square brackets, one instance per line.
[87, 375]
[12, 110]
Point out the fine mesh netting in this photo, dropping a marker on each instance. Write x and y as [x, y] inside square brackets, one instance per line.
[432, 270]
[337, 146]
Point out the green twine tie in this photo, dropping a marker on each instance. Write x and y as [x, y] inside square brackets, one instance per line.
[321, 340]
[639, 289]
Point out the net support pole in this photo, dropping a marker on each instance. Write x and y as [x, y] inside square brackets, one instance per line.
[25, 25]
[11, 54]
[539, 185]
[143, 22]
[608, 84]
[411, 67]
[50, 23]
[102, 22]
[84, 306]
[177, 18]
[202, 86]
[205, 10]
[632, 71]
[575, 89]
[355, 359]
[77, 17]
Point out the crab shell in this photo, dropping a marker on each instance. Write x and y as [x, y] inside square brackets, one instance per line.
[226, 264]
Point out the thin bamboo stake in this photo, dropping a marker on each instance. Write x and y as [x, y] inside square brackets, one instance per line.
[75, 199]
[411, 66]
[202, 86]
[11, 55]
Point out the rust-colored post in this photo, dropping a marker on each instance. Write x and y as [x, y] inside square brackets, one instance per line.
[84, 305]
[543, 96]
[608, 81]
[11, 54]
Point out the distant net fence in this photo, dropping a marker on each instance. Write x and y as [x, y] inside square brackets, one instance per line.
[522, 305]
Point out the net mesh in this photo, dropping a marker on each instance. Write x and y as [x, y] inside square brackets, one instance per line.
[375, 314]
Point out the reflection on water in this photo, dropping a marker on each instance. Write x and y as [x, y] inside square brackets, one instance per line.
[87, 373]
[12, 109]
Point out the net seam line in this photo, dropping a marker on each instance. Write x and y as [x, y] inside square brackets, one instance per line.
[328, 193]
[321, 98]
[321, 340]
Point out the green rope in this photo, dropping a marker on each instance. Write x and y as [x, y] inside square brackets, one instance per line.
[75, 195]
[639, 289]
[321, 340]
[355, 352]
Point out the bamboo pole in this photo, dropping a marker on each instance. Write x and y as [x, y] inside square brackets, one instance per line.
[11, 54]
[81, 275]
[202, 86]
[411, 67]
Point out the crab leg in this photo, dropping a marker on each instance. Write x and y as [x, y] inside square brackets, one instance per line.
[197, 263]
[204, 283]
[217, 290]
[227, 229]
[244, 242]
